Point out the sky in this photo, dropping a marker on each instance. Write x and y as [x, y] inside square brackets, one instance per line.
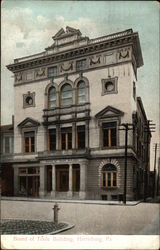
[28, 26]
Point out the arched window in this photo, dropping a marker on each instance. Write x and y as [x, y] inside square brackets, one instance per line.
[52, 98]
[81, 92]
[109, 176]
[66, 95]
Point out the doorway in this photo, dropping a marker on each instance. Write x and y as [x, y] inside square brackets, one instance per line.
[29, 182]
[62, 178]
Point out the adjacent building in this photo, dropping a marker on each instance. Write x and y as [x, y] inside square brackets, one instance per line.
[70, 102]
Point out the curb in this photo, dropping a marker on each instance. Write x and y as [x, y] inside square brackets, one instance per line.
[95, 202]
[68, 227]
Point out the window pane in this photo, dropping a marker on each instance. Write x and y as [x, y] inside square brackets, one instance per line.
[80, 65]
[7, 148]
[104, 179]
[114, 179]
[27, 144]
[109, 179]
[52, 139]
[66, 95]
[113, 137]
[32, 144]
[52, 98]
[63, 141]
[52, 71]
[105, 138]
[81, 136]
[69, 140]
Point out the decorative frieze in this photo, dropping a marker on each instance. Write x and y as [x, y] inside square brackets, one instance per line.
[64, 67]
[41, 72]
[18, 77]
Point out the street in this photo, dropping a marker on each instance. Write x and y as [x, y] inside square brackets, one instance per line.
[142, 219]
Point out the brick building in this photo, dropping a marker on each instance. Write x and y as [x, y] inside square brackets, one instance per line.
[70, 101]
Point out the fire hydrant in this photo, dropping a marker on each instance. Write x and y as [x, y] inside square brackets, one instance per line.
[56, 209]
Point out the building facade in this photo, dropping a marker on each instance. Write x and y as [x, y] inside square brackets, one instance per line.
[6, 159]
[70, 101]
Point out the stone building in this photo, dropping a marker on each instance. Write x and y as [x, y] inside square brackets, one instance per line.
[70, 101]
[6, 159]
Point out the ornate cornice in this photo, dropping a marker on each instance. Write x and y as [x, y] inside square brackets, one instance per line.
[92, 48]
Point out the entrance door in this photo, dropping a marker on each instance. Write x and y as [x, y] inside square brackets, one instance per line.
[62, 178]
[29, 182]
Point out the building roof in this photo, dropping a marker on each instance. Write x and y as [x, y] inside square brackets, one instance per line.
[82, 45]
[6, 128]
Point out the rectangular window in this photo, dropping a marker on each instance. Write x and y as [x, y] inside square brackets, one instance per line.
[29, 142]
[52, 71]
[80, 65]
[109, 134]
[52, 139]
[7, 144]
[66, 138]
[80, 139]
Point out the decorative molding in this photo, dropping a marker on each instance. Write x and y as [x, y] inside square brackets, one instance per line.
[28, 122]
[70, 67]
[95, 61]
[112, 85]
[109, 111]
[112, 161]
[40, 72]
[29, 100]
[18, 77]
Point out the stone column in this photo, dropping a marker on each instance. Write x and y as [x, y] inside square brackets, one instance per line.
[87, 134]
[70, 193]
[82, 193]
[73, 135]
[53, 192]
[42, 189]
[15, 180]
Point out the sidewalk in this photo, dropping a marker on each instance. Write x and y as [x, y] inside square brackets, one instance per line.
[98, 202]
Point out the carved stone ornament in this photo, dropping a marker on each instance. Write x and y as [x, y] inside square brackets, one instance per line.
[124, 54]
[70, 67]
[18, 77]
[40, 72]
[95, 61]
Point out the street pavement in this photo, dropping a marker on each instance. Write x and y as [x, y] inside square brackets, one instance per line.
[141, 219]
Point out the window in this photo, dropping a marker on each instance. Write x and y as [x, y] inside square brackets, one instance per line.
[7, 148]
[109, 86]
[52, 139]
[52, 71]
[66, 138]
[81, 92]
[52, 98]
[8, 144]
[80, 65]
[80, 139]
[29, 100]
[134, 90]
[109, 176]
[109, 134]
[66, 95]
[29, 142]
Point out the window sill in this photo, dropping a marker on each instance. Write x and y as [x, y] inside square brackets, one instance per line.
[109, 188]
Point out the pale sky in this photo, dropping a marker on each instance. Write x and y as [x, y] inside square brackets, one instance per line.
[28, 26]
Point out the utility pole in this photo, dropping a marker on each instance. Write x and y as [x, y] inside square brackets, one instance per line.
[149, 127]
[126, 128]
[154, 180]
